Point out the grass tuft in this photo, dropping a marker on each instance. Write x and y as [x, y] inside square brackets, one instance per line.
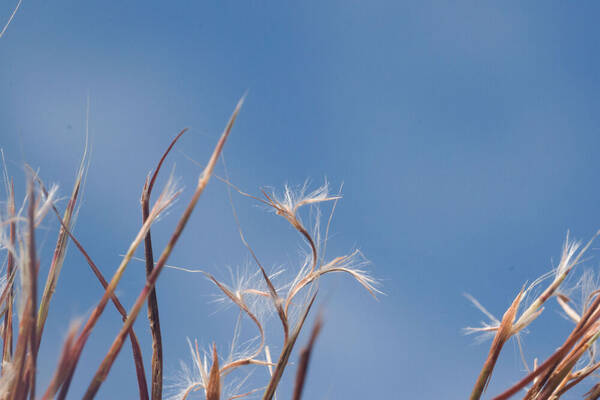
[576, 359]
[254, 292]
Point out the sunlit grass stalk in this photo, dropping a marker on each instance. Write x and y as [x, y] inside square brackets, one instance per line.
[563, 270]
[213, 387]
[60, 252]
[25, 362]
[32, 283]
[502, 335]
[286, 352]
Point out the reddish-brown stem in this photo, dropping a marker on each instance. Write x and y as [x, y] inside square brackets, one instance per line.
[23, 381]
[285, 354]
[213, 387]
[153, 315]
[63, 365]
[502, 335]
[578, 379]
[305, 359]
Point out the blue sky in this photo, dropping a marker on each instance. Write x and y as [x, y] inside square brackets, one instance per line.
[465, 133]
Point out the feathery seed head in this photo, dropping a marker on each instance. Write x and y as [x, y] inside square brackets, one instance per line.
[167, 198]
[566, 259]
[190, 379]
[288, 203]
[248, 287]
[487, 329]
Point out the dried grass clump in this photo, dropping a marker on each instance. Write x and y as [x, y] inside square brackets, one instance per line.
[575, 359]
[256, 293]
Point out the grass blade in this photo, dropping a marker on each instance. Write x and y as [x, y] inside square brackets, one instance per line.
[305, 359]
[60, 250]
[153, 315]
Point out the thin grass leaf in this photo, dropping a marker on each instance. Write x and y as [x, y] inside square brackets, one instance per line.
[60, 249]
[286, 352]
[502, 335]
[32, 284]
[305, 359]
[153, 314]
[60, 373]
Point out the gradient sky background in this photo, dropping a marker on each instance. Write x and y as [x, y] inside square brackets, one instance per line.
[466, 135]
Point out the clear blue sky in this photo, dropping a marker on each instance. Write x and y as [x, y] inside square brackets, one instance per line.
[466, 135]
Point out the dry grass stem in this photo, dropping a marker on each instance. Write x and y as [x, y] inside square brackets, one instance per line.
[153, 314]
[305, 359]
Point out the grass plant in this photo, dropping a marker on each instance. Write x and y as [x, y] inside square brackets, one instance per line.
[575, 359]
[256, 293]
